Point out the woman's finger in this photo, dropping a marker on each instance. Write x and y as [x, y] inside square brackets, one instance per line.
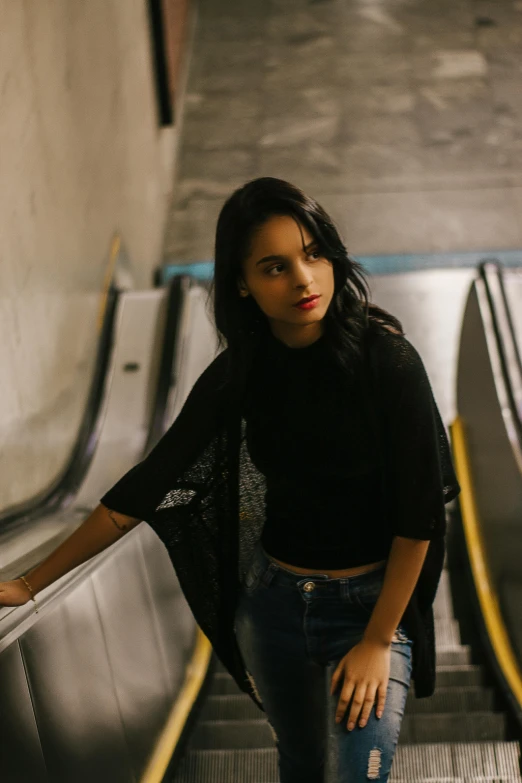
[381, 698]
[344, 698]
[357, 703]
[336, 675]
[369, 701]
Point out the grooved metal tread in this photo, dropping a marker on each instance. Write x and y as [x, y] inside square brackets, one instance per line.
[447, 676]
[443, 604]
[470, 698]
[484, 762]
[243, 733]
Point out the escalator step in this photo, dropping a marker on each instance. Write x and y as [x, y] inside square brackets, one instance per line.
[447, 676]
[443, 605]
[447, 633]
[490, 762]
[238, 734]
[452, 655]
[458, 656]
[452, 727]
[464, 699]
[459, 675]
[469, 698]
[435, 727]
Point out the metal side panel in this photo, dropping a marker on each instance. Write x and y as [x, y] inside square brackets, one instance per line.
[139, 671]
[496, 477]
[21, 757]
[130, 395]
[197, 349]
[175, 624]
[443, 605]
[430, 304]
[73, 693]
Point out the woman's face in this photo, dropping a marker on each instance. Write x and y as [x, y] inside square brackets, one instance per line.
[284, 266]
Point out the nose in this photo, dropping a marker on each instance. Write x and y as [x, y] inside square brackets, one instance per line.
[302, 276]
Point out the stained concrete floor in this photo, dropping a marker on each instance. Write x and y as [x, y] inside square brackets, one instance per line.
[403, 118]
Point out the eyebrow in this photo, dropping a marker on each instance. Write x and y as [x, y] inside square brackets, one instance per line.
[266, 259]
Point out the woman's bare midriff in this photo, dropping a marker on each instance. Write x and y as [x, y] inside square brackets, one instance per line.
[364, 569]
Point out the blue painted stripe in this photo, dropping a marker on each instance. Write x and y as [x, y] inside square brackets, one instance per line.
[376, 265]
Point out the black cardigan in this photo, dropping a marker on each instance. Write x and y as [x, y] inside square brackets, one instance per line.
[201, 493]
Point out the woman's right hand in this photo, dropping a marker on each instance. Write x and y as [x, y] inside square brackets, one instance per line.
[14, 593]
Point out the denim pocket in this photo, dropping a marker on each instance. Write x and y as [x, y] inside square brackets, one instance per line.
[367, 594]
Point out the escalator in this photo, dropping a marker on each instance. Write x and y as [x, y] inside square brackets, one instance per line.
[87, 684]
[487, 437]
[105, 702]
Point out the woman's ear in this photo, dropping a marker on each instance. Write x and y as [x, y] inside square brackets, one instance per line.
[243, 290]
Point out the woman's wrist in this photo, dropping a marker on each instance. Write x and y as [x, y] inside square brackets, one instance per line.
[29, 590]
[371, 636]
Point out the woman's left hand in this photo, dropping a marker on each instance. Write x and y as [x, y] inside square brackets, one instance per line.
[366, 670]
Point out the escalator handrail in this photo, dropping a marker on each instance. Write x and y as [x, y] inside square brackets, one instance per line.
[56, 494]
[167, 380]
[509, 317]
[505, 659]
[483, 271]
[60, 493]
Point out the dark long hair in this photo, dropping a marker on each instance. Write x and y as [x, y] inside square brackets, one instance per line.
[239, 320]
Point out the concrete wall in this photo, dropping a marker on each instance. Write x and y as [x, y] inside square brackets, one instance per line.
[81, 156]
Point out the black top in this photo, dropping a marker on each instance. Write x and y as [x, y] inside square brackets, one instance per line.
[202, 494]
[308, 433]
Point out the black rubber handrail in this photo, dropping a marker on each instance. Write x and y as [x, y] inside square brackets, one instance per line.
[177, 289]
[59, 493]
[509, 317]
[498, 336]
[509, 699]
[179, 286]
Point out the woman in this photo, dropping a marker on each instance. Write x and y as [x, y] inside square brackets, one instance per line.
[300, 493]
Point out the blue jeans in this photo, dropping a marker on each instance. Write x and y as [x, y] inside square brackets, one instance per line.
[292, 631]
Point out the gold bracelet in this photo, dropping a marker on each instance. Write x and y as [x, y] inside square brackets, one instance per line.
[33, 599]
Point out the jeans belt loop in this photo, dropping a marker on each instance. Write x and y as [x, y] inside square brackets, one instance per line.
[345, 588]
[269, 574]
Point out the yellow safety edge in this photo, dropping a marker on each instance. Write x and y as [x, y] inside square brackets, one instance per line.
[484, 586]
[169, 738]
[109, 273]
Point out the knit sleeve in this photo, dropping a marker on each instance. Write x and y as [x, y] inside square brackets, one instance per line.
[139, 491]
[420, 476]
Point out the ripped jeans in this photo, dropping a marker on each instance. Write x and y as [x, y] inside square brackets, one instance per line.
[292, 630]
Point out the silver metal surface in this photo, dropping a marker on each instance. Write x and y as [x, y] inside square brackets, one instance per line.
[139, 670]
[21, 757]
[197, 345]
[133, 377]
[489, 762]
[122, 428]
[483, 406]
[430, 304]
[107, 654]
[174, 622]
[74, 699]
